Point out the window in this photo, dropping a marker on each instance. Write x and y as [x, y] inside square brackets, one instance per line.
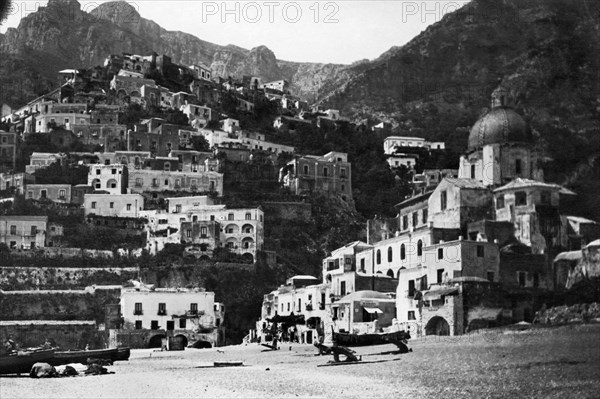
[62, 194]
[402, 252]
[113, 171]
[305, 169]
[343, 173]
[520, 198]
[521, 278]
[443, 200]
[536, 280]
[440, 253]
[93, 205]
[378, 257]
[182, 324]
[13, 230]
[490, 276]
[288, 307]
[425, 216]
[188, 233]
[230, 216]
[415, 219]
[440, 275]
[33, 230]
[545, 197]
[362, 265]
[404, 222]
[325, 172]
[138, 324]
[166, 182]
[248, 216]
[128, 207]
[390, 256]
[518, 167]
[154, 324]
[342, 288]
[500, 201]
[111, 205]
[29, 193]
[138, 309]
[203, 232]
[98, 171]
[411, 315]
[472, 171]
[419, 248]
[162, 309]
[480, 251]
[411, 288]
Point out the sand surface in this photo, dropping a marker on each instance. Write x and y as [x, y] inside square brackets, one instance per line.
[561, 362]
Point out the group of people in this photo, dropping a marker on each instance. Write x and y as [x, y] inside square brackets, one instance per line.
[285, 334]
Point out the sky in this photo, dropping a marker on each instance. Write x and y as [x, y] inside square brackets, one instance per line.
[302, 30]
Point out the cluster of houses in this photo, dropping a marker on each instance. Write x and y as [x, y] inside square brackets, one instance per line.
[128, 168]
[479, 247]
[131, 168]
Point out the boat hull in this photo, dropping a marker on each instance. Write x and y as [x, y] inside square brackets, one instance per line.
[112, 354]
[22, 363]
[346, 339]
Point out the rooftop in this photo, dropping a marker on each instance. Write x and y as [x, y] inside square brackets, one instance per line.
[522, 183]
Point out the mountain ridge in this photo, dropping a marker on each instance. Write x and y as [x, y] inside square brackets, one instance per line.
[65, 36]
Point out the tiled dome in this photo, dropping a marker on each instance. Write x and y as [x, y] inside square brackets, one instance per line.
[500, 125]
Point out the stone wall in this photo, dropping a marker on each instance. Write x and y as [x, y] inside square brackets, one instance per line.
[66, 335]
[12, 278]
[67, 305]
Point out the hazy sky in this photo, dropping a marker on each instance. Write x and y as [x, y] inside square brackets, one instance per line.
[301, 30]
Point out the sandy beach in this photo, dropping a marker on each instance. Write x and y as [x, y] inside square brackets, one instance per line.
[561, 362]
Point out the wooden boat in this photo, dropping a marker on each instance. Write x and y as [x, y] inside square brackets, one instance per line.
[66, 357]
[123, 354]
[228, 364]
[347, 339]
[22, 361]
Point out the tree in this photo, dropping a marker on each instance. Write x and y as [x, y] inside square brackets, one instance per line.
[199, 143]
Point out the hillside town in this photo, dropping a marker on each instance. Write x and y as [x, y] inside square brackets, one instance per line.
[145, 150]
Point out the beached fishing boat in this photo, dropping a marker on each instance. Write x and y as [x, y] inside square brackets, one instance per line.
[22, 361]
[123, 354]
[111, 354]
[347, 339]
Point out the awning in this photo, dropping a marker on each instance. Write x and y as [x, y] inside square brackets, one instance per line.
[373, 310]
[437, 294]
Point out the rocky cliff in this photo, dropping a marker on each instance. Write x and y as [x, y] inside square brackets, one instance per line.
[545, 51]
[62, 35]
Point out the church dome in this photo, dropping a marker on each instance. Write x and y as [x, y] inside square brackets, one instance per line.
[500, 125]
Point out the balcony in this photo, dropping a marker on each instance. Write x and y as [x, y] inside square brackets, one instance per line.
[138, 312]
[162, 313]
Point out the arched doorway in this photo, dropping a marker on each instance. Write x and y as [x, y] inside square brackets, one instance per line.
[180, 342]
[201, 345]
[437, 326]
[156, 341]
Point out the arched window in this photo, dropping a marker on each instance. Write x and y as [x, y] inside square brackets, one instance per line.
[402, 252]
[378, 257]
[390, 273]
[390, 256]
[419, 248]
